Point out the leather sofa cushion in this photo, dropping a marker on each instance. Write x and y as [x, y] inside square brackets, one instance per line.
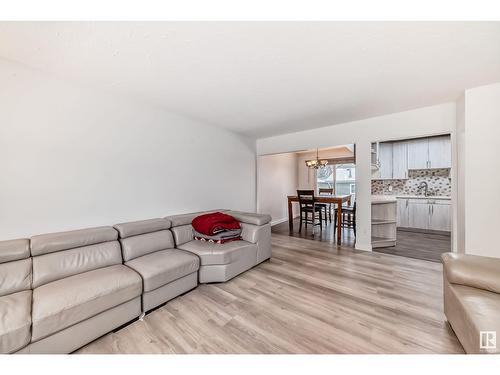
[185, 219]
[68, 301]
[15, 321]
[162, 267]
[15, 276]
[472, 270]
[143, 244]
[250, 218]
[182, 234]
[54, 266]
[211, 253]
[480, 309]
[141, 227]
[52, 242]
[14, 250]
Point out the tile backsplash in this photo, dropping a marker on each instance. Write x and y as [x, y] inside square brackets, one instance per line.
[439, 182]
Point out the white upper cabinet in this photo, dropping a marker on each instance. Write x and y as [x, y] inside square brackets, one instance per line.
[440, 152]
[400, 160]
[392, 160]
[427, 153]
[418, 153]
[385, 161]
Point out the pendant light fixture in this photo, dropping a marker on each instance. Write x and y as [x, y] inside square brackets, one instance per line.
[316, 163]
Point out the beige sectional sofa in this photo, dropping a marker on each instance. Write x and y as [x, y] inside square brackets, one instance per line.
[60, 291]
[472, 299]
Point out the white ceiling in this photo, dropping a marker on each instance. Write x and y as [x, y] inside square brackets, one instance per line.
[266, 78]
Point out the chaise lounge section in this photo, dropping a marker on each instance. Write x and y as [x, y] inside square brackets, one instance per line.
[148, 249]
[222, 262]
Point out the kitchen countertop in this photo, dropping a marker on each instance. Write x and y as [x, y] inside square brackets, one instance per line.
[377, 199]
[401, 196]
[423, 197]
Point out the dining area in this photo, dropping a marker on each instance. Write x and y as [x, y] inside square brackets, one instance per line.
[310, 194]
[325, 210]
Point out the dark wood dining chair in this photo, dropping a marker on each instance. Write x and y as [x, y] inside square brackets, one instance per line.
[328, 206]
[308, 206]
[348, 218]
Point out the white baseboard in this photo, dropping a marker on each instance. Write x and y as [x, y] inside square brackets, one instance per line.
[279, 221]
[363, 246]
[282, 220]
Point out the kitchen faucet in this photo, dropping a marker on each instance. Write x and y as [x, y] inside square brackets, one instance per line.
[424, 184]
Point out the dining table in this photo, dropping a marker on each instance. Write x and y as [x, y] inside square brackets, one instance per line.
[338, 200]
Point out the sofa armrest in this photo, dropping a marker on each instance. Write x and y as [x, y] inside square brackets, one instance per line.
[250, 218]
[254, 233]
[260, 235]
[472, 270]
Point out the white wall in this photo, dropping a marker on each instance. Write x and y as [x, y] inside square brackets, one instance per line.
[482, 165]
[307, 176]
[460, 176]
[276, 178]
[73, 157]
[426, 121]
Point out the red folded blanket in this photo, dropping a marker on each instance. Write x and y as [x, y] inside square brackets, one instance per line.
[213, 223]
[218, 242]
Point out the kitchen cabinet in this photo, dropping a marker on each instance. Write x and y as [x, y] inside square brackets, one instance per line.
[440, 216]
[431, 152]
[418, 153]
[440, 152]
[418, 212]
[428, 214]
[400, 160]
[403, 214]
[391, 161]
[385, 161]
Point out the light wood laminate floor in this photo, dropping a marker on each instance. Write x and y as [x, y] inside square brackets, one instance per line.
[311, 297]
[327, 234]
[418, 245]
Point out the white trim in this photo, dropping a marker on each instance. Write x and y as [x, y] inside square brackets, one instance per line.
[282, 220]
[363, 247]
[279, 221]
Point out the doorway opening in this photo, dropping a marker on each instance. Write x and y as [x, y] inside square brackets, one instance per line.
[412, 178]
[280, 176]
